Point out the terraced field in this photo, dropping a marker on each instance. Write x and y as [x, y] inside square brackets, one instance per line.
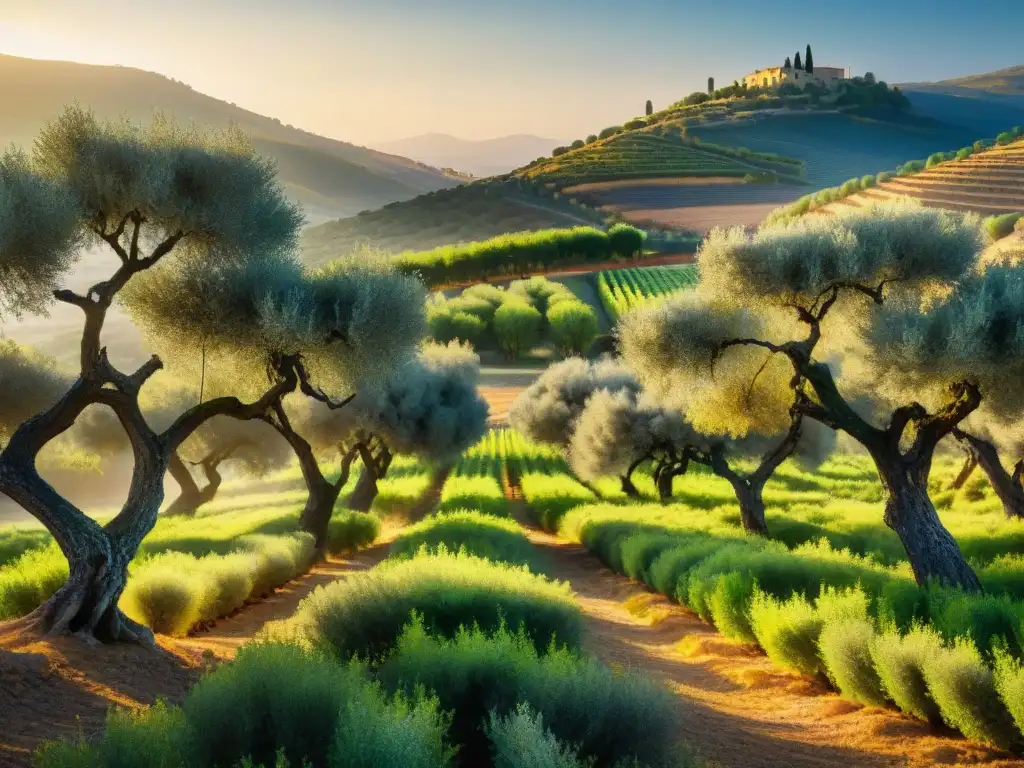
[836, 147]
[697, 205]
[636, 154]
[988, 183]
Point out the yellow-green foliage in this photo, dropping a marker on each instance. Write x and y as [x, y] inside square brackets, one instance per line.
[401, 490]
[364, 614]
[845, 647]
[481, 535]
[1009, 676]
[349, 531]
[28, 581]
[963, 686]
[900, 661]
[173, 592]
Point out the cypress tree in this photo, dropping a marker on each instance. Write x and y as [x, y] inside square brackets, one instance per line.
[711, 86]
[650, 107]
[809, 60]
[788, 64]
[796, 62]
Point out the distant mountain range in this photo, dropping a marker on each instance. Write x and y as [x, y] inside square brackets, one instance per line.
[487, 157]
[988, 103]
[330, 178]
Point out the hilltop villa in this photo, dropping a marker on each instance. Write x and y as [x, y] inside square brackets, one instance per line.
[766, 78]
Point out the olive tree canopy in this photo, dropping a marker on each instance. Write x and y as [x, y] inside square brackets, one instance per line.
[547, 410]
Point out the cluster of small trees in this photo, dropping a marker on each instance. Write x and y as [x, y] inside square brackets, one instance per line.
[205, 244]
[516, 319]
[882, 324]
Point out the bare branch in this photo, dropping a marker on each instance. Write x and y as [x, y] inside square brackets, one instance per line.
[307, 388]
[160, 251]
[133, 253]
[70, 297]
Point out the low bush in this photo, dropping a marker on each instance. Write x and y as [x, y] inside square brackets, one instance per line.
[845, 647]
[447, 326]
[495, 539]
[274, 705]
[173, 592]
[883, 177]
[964, 153]
[988, 620]
[611, 718]
[1003, 225]
[1009, 678]
[900, 661]
[520, 740]
[867, 182]
[517, 328]
[573, 327]
[761, 177]
[30, 580]
[350, 531]
[1006, 137]
[364, 614]
[963, 687]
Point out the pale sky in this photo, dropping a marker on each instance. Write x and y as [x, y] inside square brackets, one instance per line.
[369, 72]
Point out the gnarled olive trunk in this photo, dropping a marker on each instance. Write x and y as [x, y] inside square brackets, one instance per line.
[1007, 486]
[970, 464]
[749, 495]
[190, 497]
[375, 469]
[628, 487]
[932, 551]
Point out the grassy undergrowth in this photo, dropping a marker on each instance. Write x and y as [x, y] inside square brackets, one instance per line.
[831, 596]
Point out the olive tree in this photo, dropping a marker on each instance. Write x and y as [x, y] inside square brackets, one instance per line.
[901, 281]
[251, 445]
[617, 432]
[547, 410]
[984, 443]
[430, 408]
[341, 328]
[146, 195]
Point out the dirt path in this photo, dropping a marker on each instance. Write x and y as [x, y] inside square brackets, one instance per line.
[735, 706]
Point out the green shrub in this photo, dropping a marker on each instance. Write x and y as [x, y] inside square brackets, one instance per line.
[963, 686]
[349, 531]
[168, 594]
[573, 326]
[1009, 678]
[520, 740]
[625, 240]
[987, 619]
[448, 326]
[883, 177]
[849, 187]
[787, 631]
[148, 738]
[1002, 225]
[30, 580]
[279, 559]
[964, 153]
[669, 573]
[729, 606]
[365, 614]
[517, 328]
[482, 535]
[609, 717]
[900, 661]
[935, 159]
[274, 705]
[1006, 137]
[761, 177]
[914, 166]
[845, 647]
[867, 182]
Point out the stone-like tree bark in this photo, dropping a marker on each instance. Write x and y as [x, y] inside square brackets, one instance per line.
[1007, 486]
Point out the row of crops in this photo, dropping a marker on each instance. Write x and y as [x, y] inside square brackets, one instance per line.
[636, 155]
[623, 289]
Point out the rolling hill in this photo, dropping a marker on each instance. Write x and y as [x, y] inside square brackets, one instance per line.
[330, 178]
[1005, 82]
[986, 103]
[836, 146]
[989, 183]
[475, 211]
[488, 157]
